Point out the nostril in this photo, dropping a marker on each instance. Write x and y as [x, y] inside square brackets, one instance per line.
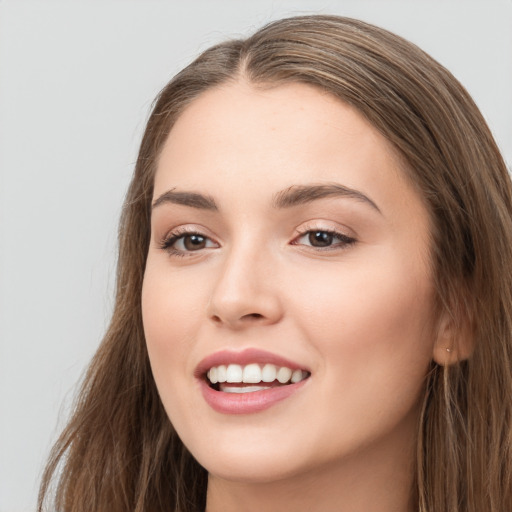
[255, 315]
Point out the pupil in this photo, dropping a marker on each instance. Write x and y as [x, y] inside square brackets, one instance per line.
[320, 238]
[194, 242]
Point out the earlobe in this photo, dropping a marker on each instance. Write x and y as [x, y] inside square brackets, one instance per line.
[454, 340]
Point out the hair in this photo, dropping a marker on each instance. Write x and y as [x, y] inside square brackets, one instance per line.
[120, 452]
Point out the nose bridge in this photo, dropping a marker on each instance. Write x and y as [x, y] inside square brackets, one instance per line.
[245, 290]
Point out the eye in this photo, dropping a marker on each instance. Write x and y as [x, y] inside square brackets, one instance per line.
[321, 238]
[181, 243]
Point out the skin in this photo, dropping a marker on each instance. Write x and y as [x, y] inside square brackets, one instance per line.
[358, 315]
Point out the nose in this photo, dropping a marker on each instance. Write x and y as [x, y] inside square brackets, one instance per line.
[246, 292]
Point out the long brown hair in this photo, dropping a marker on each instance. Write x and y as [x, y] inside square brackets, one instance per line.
[120, 452]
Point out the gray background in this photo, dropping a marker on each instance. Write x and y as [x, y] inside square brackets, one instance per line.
[76, 83]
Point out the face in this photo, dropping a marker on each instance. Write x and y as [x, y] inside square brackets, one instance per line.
[289, 260]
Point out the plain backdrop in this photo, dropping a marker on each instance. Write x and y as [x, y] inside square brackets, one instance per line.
[76, 83]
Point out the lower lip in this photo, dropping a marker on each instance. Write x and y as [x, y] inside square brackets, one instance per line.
[247, 403]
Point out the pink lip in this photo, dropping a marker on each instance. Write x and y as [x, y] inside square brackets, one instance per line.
[245, 403]
[247, 356]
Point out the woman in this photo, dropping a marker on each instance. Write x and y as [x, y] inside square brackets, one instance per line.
[313, 299]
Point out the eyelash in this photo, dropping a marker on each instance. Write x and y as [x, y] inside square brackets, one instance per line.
[344, 240]
[167, 244]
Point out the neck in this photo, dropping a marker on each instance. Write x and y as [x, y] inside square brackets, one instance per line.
[376, 478]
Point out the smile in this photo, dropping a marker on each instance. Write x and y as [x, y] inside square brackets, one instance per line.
[249, 381]
[267, 376]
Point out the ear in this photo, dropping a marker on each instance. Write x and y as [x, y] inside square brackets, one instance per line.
[455, 338]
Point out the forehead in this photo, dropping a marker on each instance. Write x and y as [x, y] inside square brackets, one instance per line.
[238, 137]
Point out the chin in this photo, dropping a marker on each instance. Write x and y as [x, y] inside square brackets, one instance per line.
[252, 467]
[249, 456]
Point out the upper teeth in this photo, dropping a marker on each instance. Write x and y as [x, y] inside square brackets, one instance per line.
[254, 373]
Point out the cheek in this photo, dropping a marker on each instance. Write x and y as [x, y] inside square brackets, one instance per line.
[170, 312]
[170, 302]
[371, 332]
[371, 323]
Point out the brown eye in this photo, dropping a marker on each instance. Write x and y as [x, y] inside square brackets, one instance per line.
[324, 239]
[180, 244]
[194, 242]
[320, 238]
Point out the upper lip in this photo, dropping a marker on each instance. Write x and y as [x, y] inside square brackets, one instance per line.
[244, 357]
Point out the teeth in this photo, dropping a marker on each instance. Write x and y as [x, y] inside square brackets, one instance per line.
[297, 376]
[269, 373]
[212, 375]
[284, 375]
[245, 389]
[221, 373]
[253, 374]
[234, 373]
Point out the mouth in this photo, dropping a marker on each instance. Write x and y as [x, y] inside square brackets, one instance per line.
[249, 381]
[252, 377]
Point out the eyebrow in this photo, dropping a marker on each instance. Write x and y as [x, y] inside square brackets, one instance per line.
[192, 199]
[295, 195]
[303, 194]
